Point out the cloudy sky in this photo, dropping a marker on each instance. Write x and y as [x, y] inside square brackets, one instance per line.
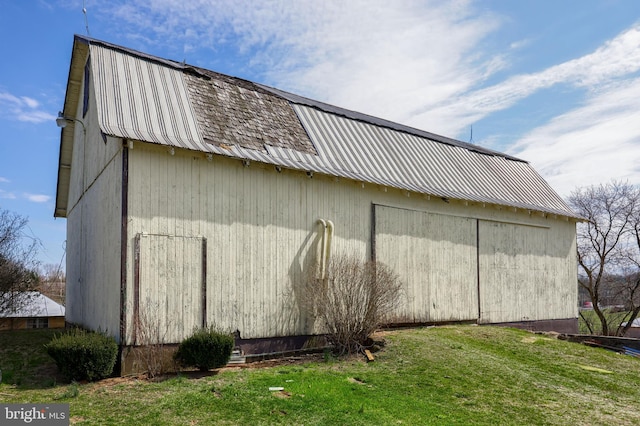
[556, 83]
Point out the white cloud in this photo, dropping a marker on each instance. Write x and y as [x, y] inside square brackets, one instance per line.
[34, 116]
[9, 98]
[417, 62]
[388, 59]
[592, 144]
[422, 63]
[29, 102]
[37, 198]
[23, 108]
[618, 57]
[519, 44]
[7, 195]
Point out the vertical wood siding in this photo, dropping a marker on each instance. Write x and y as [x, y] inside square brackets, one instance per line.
[260, 227]
[168, 291]
[262, 238]
[435, 256]
[525, 271]
[93, 254]
[93, 228]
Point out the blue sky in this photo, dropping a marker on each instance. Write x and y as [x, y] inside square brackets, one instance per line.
[556, 83]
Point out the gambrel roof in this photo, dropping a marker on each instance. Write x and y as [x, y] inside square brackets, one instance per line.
[150, 99]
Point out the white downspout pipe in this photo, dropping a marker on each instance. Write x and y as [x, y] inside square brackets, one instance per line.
[321, 248]
[327, 253]
[325, 246]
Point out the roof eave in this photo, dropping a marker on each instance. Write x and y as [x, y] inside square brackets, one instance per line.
[67, 134]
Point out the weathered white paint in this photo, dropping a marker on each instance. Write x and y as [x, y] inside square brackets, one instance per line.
[93, 254]
[93, 229]
[169, 296]
[436, 258]
[262, 238]
[524, 272]
[260, 227]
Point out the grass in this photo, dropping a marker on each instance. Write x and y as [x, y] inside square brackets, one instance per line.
[24, 361]
[445, 375]
[614, 318]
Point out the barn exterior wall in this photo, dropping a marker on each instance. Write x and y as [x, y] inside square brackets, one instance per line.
[262, 235]
[524, 271]
[260, 230]
[436, 258]
[94, 219]
[168, 287]
[93, 254]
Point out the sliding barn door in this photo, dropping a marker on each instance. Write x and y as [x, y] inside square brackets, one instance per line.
[436, 258]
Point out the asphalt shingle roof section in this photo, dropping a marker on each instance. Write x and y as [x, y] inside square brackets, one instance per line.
[237, 112]
[171, 103]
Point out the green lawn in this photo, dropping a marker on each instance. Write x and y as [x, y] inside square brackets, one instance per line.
[24, 361]
[443, 375]
[614, 318]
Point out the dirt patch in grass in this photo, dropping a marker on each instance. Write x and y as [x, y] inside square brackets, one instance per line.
[278, 362]
[197, 374]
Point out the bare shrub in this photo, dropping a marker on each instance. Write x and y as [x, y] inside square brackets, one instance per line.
[151, 355]
[52, 282]
[352, 300]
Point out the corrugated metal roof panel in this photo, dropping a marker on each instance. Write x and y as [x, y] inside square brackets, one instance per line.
[411, 161]
[154, 100]
[30, 304]
[143, 100]
[380, 122]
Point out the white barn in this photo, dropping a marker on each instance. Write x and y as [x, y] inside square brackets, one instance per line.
[195, 198]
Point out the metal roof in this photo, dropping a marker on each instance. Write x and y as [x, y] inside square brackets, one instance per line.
[155, 100]
[32, 304]
[142, 100]
[423, 165]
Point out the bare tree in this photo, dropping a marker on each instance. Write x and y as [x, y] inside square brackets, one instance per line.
[52, 282]
[609, 245]
[17, 261]
[352, 300]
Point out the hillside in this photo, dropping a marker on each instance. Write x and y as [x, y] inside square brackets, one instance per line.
[439, 375]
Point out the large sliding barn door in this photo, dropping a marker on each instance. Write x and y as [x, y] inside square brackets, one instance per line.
[436, 258]
[170, 288]
[522, 274]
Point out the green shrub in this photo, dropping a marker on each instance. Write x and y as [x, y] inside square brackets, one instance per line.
[83, 355]
[207, 348]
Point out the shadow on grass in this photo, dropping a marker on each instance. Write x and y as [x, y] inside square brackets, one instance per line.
[24, 361]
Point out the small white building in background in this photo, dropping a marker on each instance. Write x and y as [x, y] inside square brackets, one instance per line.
[32, 310]
[195, 198]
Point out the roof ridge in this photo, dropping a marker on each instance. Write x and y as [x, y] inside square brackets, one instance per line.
[359, 116]
[302, 100]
